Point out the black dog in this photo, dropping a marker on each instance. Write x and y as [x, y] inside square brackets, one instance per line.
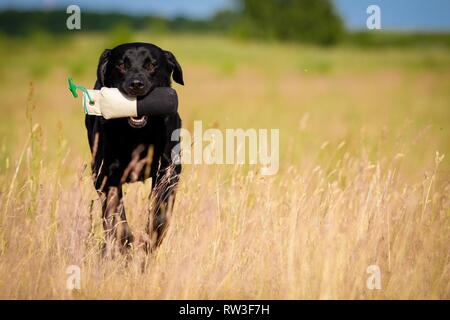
[121, 148]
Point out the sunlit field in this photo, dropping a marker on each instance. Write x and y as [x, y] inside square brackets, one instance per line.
[364, 175]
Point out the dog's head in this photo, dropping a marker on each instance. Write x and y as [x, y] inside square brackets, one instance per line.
[136, 68]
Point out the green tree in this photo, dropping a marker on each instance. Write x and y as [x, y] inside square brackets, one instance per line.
[293, 20]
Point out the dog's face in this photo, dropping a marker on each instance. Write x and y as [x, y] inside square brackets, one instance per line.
[137, 68]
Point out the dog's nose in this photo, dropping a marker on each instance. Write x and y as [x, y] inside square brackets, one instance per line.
[136, 84]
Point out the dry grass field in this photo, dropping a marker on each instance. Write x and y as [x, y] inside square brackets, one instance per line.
[364, 175]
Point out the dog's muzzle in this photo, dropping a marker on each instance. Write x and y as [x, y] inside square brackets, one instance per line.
[137, 122]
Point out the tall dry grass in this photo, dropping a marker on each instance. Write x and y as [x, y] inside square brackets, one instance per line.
[310, 232]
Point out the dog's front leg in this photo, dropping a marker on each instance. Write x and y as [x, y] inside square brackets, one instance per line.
[166, 170]
[115, 222]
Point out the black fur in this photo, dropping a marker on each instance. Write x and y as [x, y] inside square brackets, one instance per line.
[119, 150]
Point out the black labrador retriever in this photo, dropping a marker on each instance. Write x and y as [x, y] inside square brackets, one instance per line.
[122, 148]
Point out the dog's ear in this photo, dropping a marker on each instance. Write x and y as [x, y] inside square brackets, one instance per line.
[102, 63]
[177, 72]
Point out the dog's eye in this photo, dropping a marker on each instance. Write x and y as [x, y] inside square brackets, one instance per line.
[121, 67]
[150, 67]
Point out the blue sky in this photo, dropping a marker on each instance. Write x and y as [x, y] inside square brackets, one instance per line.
[398, 14]
[395, 14]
